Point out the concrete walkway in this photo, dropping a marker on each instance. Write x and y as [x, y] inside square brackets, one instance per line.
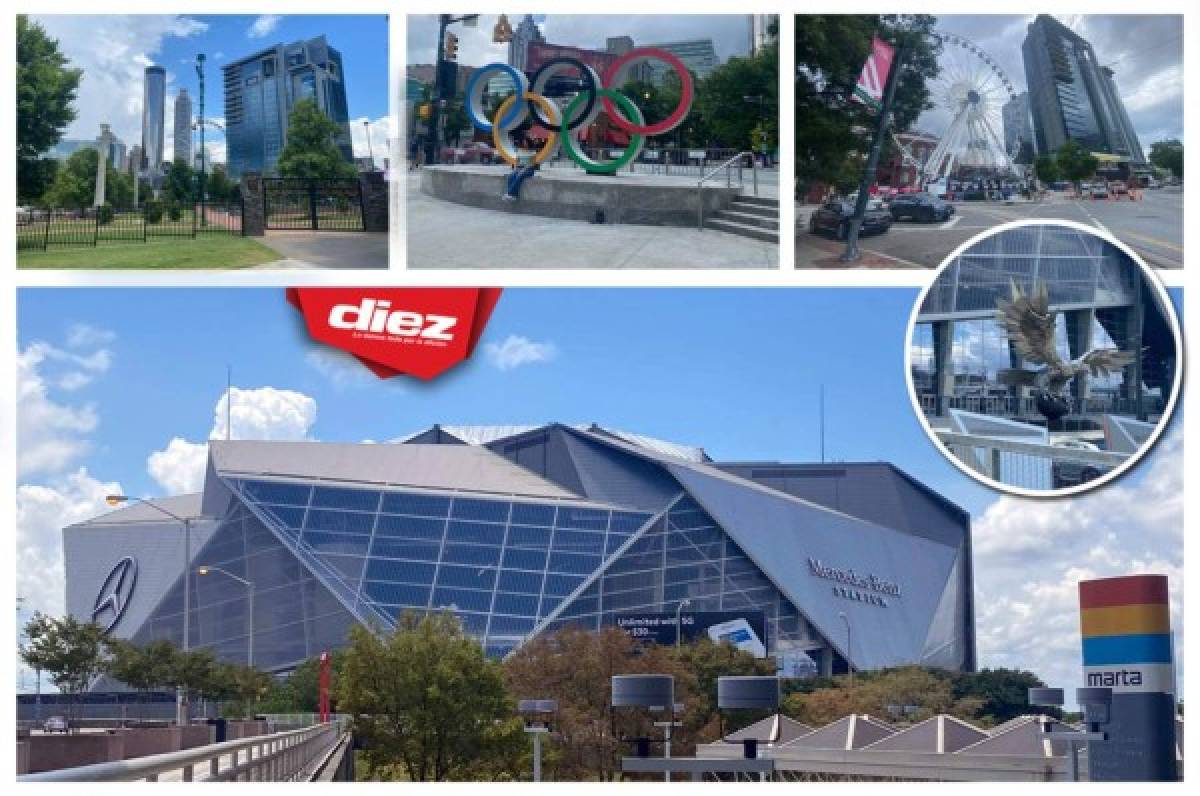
[320, 249]
[447, 235]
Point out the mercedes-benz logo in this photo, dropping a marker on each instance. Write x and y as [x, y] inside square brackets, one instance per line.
[115, 593]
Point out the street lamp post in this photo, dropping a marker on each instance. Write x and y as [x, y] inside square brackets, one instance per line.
[370, 146]
[181, 708]
[203, 154]
[678, 612]
[849, 665]
[205, 570]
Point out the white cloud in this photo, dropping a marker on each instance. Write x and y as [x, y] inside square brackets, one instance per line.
[83, 335]
[516, 351]
[113, 50]
[43, 510]
[263, 413]
[263, 26]
[1031, 554]
[51, 433]
[179, 468]
[341, 369]
[381, 133]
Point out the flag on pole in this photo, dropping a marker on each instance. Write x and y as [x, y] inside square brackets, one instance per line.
[869, 90]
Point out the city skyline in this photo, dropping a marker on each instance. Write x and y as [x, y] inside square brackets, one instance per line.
[556, 355]
[730, 34]
[1149, 79]
[112, 89]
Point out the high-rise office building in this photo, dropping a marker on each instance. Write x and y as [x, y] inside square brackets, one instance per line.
[526, 33]
[1072, 97]
[760, 31]
[698, 55]
[183, 127]
[154, 100]
[1017, 129]
[261, 90]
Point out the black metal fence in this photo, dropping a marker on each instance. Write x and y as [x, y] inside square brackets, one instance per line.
[297, 203]
[46, 228]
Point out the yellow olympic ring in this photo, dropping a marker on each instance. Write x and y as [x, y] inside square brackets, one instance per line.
[500, 137]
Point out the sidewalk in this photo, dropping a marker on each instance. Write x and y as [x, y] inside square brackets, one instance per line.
[448, 235]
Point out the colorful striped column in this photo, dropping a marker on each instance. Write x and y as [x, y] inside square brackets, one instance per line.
[1126, 627]
[1125, 623]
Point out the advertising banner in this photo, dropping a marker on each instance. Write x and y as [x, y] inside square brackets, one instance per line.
[872, 79]
[746, 630]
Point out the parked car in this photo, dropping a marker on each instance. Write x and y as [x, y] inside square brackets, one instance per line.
[1098, 190]
[920, 207]
[834, 218]
[55, 724]
[1072, 473]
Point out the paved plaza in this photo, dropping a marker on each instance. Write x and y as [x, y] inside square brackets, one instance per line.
[1152, 227]
[447, 235]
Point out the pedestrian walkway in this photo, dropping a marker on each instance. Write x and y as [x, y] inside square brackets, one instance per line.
[448, 235]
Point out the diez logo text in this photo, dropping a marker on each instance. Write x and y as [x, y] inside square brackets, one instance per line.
[376, 317]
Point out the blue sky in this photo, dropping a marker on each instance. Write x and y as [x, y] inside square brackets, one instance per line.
[111, 90]
[118, 390]
[736, 371]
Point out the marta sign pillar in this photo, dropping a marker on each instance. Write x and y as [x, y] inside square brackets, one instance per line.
[1125, 624]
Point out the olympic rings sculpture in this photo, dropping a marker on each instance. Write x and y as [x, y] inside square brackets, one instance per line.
[599, 93]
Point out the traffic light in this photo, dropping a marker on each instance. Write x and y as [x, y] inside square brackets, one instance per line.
[451, 46]
[425, 110]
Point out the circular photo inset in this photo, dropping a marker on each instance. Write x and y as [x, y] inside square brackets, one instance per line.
[1045, 358]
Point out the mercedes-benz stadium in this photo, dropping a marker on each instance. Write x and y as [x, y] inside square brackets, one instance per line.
[521, 530]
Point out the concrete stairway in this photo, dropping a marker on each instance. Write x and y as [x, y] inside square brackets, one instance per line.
[749, 216]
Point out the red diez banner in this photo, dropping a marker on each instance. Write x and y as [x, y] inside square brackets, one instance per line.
[414, 331]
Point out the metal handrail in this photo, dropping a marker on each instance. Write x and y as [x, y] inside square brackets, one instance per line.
[727, 165]
[1053, 452]
[274, 758]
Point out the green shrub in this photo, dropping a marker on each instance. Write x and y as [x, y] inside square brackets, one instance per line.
[104, 214]
[152, 209]
[174, 211]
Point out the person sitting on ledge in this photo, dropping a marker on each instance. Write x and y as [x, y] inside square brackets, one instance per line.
[523, 170]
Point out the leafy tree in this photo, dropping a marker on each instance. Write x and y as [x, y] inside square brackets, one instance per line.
[830, 52]
[74, 183]
[311, 149]
[142, 668]
[219, 187]
[196, 672]
[179, 183]
[730, 118]
[1003, 693]
[34, 177]
[72, 652]
[299, 692]
[921, 692]
[46, 89]
[1046, 169]
[425, 699]
[1168, 155]
[1075, 163]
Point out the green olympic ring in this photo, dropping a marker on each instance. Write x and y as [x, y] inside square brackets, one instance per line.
[606, 166]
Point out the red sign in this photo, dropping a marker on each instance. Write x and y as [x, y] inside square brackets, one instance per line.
[873, 78]
[539, 53]
[420, 332]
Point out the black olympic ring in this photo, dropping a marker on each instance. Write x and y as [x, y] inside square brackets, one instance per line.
[587, 76]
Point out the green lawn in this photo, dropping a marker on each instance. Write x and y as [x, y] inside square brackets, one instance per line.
[206, 251]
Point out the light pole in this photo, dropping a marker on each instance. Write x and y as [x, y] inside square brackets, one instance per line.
[203, 154]
[678, 612]
[205, 570]
[849, 665]
[181, 708]
[370, 146]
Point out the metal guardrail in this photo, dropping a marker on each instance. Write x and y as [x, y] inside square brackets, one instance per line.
[1032, 465]
[281, 757]
[727, 167]
[1055, 452]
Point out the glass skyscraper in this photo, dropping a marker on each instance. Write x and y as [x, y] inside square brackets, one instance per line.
[183, 127]
[1072, 97]
[154, 103]
[522, 530]
[261, 90]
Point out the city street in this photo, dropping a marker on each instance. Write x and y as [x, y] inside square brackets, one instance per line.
[1152, 227]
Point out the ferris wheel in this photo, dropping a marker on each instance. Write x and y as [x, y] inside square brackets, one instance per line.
[972, 88]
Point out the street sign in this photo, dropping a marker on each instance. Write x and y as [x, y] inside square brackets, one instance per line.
[873, 78]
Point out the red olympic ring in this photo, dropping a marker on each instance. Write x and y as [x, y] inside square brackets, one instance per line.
[685, 93]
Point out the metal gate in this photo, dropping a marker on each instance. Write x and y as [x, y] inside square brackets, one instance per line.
[298, 203]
